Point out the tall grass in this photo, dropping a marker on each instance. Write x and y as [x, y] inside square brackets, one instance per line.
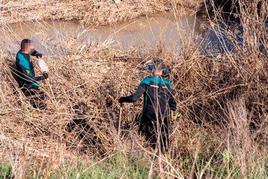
[221, 132]
[5, 171]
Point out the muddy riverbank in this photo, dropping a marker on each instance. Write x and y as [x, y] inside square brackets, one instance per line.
[95, 12]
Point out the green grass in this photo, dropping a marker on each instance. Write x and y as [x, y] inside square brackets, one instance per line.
[121, 166]
[5, 171]
[116, 167]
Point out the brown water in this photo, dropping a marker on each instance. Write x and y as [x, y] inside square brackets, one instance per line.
[144, 32]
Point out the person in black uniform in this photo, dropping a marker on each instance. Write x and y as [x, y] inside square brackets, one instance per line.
[28, 81]
[158, 101]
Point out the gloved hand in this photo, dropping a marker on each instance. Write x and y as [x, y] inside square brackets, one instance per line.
[36, 54]
[121, 100]
[45, 75]
[39, 55]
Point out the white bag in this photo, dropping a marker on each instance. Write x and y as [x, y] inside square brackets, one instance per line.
[43, 66]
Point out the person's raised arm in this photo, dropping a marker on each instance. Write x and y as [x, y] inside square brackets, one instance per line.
[134, 97]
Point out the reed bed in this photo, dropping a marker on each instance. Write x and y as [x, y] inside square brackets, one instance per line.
[220, 132]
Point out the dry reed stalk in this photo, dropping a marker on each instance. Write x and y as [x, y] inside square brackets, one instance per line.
[88, 88]
[89, 12]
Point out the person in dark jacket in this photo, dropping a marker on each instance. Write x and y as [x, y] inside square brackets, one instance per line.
[158, 101]
[28, 81]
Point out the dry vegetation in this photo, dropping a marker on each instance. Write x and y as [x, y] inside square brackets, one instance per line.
[222, 131]
[95, 12]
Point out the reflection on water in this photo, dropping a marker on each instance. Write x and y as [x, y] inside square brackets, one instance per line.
[52, 37]
[146, 31]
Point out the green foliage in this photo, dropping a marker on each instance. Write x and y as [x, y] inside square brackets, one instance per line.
[119, 166]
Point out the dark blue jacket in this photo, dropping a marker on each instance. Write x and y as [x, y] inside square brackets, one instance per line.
[158, 96]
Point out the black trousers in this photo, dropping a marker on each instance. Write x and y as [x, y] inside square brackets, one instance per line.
[36, 97]
[155, 130]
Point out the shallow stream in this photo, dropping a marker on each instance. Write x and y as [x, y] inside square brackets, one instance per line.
[144, 32]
